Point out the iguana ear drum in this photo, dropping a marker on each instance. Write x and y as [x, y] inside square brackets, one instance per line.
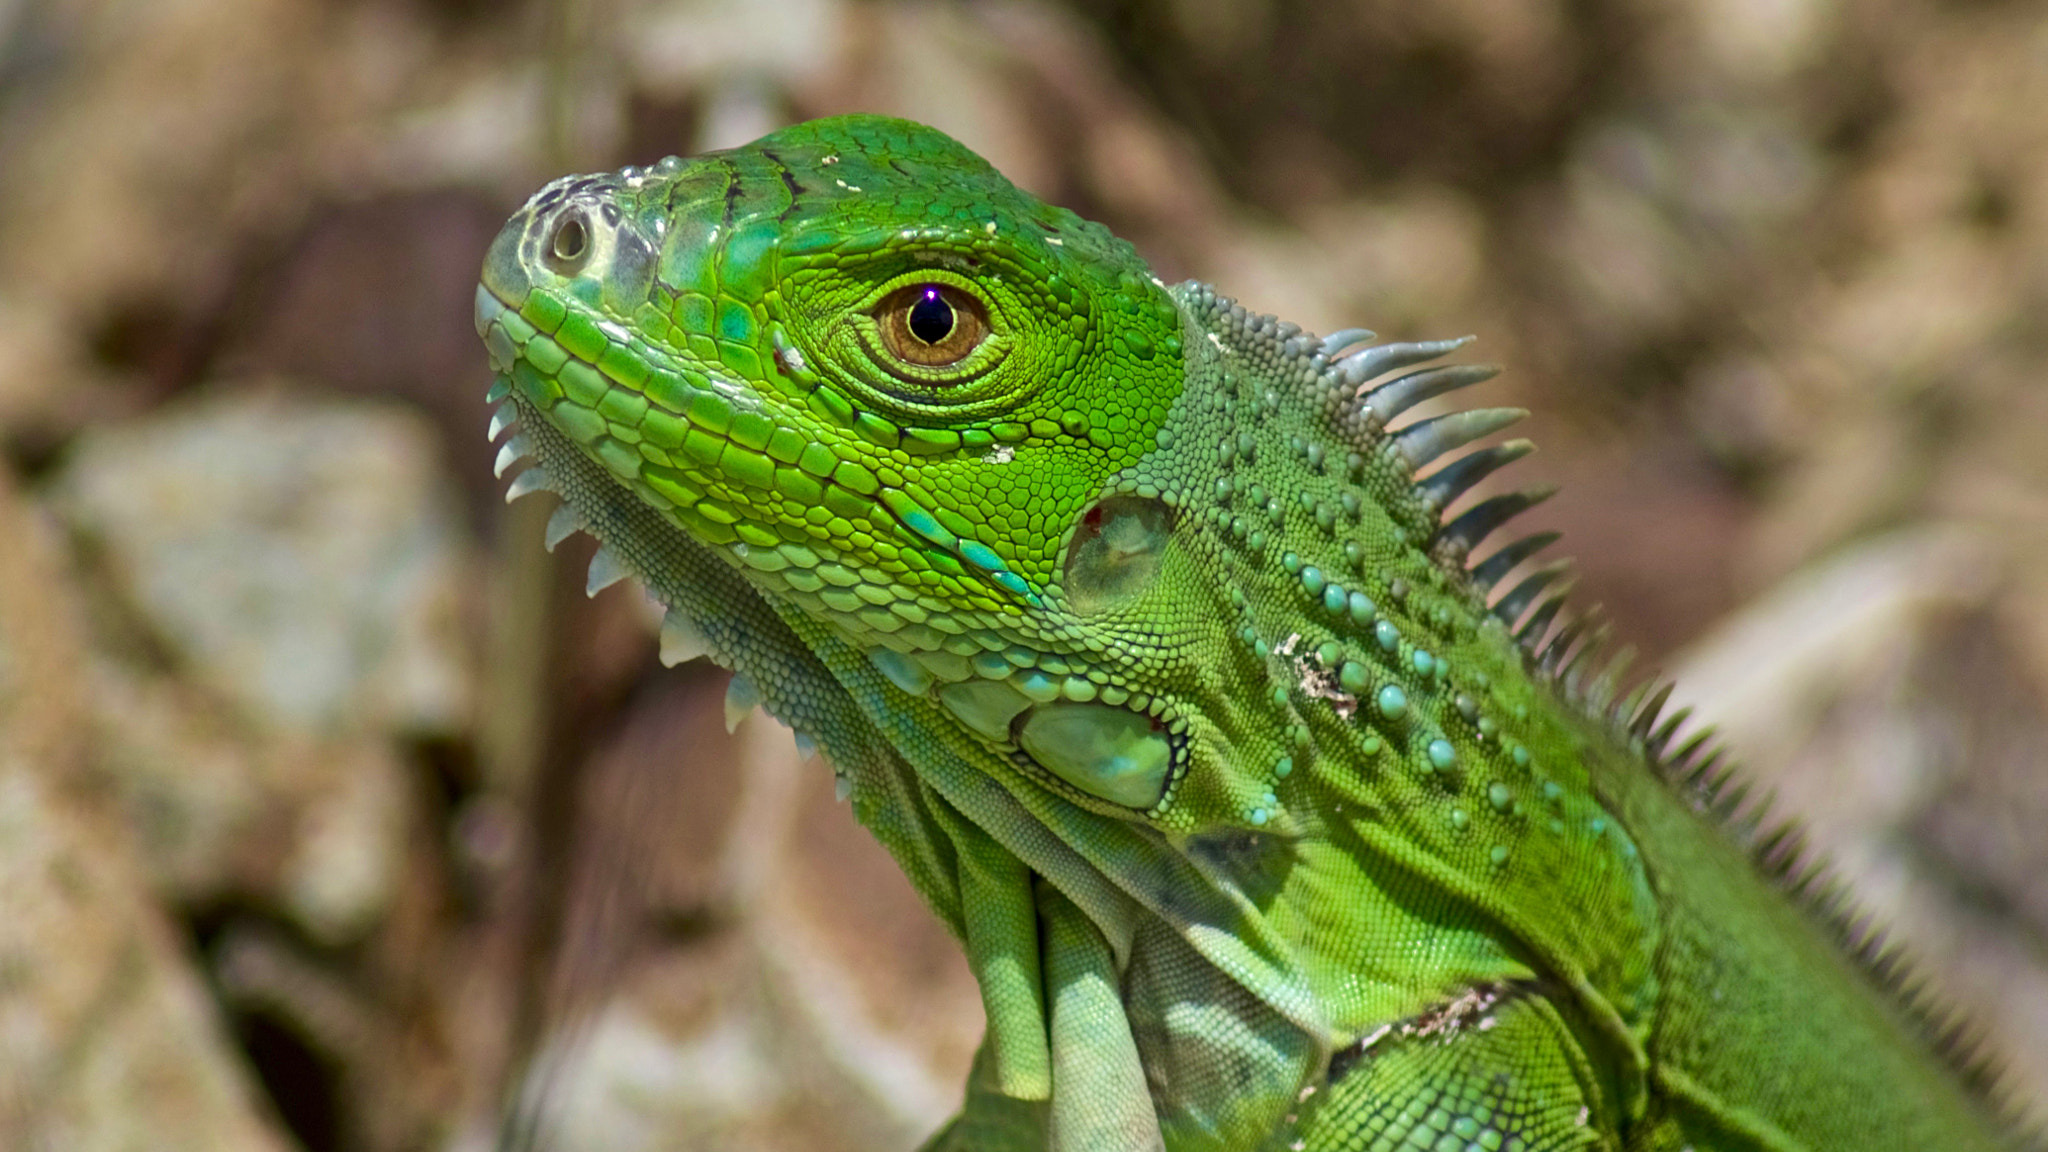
[1115, 553]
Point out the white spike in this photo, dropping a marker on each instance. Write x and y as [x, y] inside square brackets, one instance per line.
[605, 571]
[1367, 363]
[1425, 440]
[510, 453]
[741, 697]
[532, 480]
[681, 640]
[1344, 338]
[1404, 392]
[564, 521]
[505, 417]
[842, 787]
[806, 747]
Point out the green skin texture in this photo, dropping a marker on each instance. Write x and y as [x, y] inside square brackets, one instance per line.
[1061, 616]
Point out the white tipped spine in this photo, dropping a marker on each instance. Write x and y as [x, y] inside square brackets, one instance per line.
[534, 479]
[681, 640]
[510, 453]
[1344, 338]
[1366, 363]
[561, 525]
[1425, 441]
[505, 417]
[741, 697]
[605, 571]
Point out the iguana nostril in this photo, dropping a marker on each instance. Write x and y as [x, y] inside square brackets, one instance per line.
[571, 241]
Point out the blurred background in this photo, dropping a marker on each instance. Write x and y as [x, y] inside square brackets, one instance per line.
[334, 817]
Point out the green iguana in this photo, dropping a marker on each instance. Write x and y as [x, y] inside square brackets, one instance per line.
[1134, 627]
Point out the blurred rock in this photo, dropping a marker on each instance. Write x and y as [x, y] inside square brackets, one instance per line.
[154, 152]
[42, 649]
[1767, 676]
[299, 558]
[741, 965]
[296, 565]
[208, 811]
[108, 1041]
[372, 299]
[349, 847]
[695, 1052]
[674, 46]
[631, 1085]
[1410, 265]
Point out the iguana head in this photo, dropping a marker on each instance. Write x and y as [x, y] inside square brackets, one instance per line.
[976, 435]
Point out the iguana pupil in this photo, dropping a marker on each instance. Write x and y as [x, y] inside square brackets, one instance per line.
[932, 325]
[931, 318]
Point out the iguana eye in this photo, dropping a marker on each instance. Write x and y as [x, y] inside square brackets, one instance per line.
[931, 325]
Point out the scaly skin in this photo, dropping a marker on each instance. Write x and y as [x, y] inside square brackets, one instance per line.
[1134, 637]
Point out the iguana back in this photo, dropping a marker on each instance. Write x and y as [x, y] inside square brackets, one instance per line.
[1134, 627]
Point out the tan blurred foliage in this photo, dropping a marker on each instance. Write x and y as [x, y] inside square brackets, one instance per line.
[333, 813]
